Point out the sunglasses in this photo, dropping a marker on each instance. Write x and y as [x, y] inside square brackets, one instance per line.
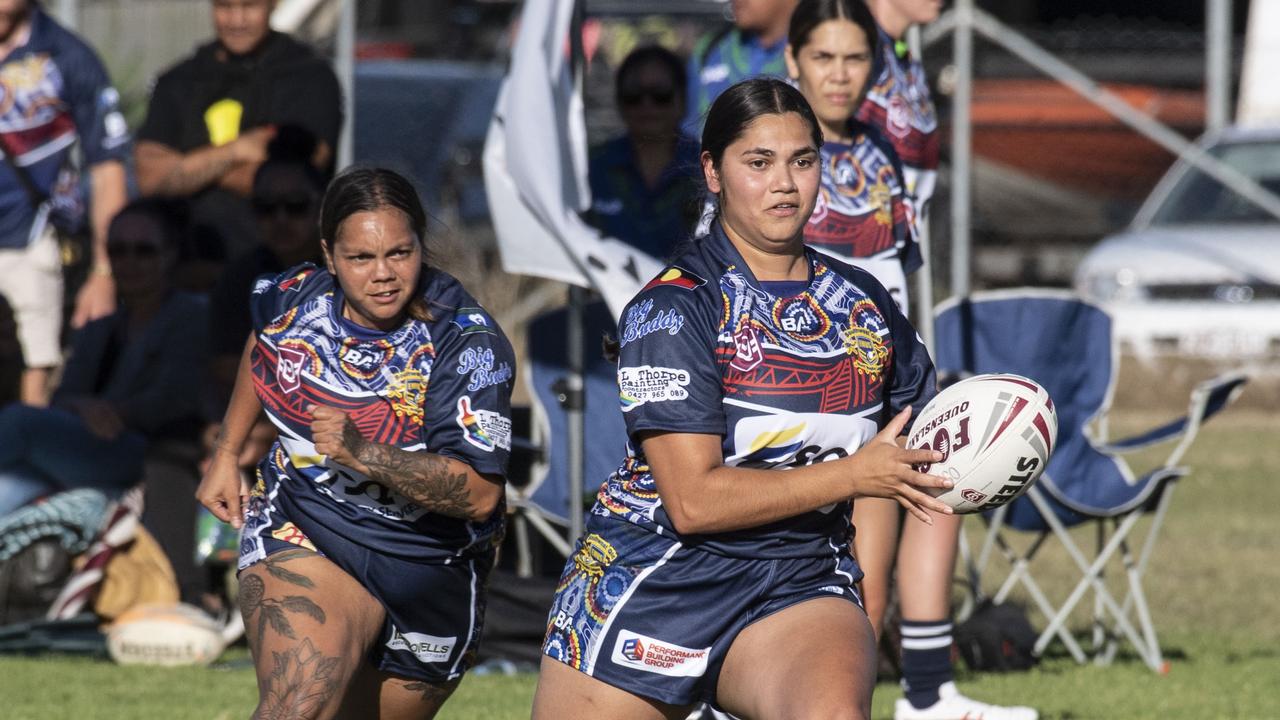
[143, 250]
[658, 96]
[292, 208]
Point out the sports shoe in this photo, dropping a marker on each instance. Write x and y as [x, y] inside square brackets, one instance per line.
[952, 705]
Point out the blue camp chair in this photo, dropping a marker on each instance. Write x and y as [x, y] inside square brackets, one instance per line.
[545, 502]
[1066, 345]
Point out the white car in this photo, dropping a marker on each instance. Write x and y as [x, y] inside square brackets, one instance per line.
[1198, 271]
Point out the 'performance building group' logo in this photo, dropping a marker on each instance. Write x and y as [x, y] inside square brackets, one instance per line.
[652, 655]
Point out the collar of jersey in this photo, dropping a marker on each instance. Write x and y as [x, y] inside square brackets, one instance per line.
[357, 330]
[723, 248]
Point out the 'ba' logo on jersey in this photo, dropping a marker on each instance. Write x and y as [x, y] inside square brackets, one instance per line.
[801, 317]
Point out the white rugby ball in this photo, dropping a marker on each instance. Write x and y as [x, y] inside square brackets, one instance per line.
[164, 634]
[996, 433]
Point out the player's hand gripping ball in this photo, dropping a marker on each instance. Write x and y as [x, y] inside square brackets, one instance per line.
[996, 434]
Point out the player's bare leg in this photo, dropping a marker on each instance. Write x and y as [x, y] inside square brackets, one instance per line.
[567, 694]
[309, 627]
[875, 544]
[376, 694]
[816, 659]
[926, 563]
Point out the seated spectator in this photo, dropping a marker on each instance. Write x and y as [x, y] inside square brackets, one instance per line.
[131, 376]
[644, 184]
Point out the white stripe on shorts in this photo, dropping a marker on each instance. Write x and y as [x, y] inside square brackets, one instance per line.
[617, 608]
[471, 626]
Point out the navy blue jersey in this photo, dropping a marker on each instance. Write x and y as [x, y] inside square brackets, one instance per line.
[862, 215]
[898, 102]
[784, 381]
[721, 59]
[54, 93]
[442, 387]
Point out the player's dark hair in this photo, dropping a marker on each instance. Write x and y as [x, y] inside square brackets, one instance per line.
[365, 189]
[652, 55]
[743, 103]
[809, 14]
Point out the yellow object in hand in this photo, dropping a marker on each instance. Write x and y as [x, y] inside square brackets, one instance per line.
[223, 121]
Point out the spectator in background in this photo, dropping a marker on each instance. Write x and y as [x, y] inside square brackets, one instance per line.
[56, 94]
[129, 376]
[753, 45]
[286, 203]
[643, 183]
[212, 116]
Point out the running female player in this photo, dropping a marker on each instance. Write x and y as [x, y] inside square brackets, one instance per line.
[369, 534]
[861, 216]
[763, 385]
[899, 105]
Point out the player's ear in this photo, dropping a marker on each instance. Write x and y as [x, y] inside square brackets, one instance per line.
[710, 173]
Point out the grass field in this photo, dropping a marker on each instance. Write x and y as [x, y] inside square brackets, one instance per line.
[1213, 585]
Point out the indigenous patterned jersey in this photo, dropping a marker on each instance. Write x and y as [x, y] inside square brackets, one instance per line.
[861, 214]
[442, 387]
[53, 93]
[785, 381]
[898, 103]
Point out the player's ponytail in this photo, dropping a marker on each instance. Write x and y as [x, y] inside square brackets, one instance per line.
[364, 189]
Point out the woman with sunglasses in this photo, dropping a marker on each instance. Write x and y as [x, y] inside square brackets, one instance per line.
[369, 534]
[643, 183]
[130, 377]
[763, 385]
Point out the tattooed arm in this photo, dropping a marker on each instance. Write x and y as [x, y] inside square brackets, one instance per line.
[438, 483]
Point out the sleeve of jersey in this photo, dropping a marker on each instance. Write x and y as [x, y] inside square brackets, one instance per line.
[467, 413]
[274, 297]
[913, 383]
[668, 377]
[95, 106]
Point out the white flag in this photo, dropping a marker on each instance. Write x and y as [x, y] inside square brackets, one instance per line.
[535, 169]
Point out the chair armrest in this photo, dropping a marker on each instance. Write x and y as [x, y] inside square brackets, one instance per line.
[1207, 399]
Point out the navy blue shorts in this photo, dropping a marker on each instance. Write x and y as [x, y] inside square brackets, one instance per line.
[646, 614]
[434, 612]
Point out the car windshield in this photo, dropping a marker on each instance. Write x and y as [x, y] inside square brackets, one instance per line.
[1198, 198]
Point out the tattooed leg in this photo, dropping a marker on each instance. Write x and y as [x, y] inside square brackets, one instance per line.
[394, 698]
[309, 626]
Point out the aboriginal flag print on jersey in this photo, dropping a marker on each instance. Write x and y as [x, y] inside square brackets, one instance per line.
[784, 381]
[424, 386]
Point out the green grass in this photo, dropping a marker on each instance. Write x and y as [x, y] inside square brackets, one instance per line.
[1212, 586]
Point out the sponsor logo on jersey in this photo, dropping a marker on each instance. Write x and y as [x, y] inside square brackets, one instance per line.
[473, 320]
[650, 384]
[478, 362]
[676, 276]
[747, 353]
[291, 534]
[801, 317]
[407, 393]
[485, 429]
[656, 656]
[638, 323]
[867, 348]
[289, 368]
[427, 648]
[712, 74]
[797, 439]
[362, 360]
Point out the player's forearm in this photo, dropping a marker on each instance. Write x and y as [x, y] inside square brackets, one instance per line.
[239, 178]
[165, 171]
[440, 484]
[243, 410]
[726, 498]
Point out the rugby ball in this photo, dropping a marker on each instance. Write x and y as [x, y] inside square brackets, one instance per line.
[167, 634]
[996, 433]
